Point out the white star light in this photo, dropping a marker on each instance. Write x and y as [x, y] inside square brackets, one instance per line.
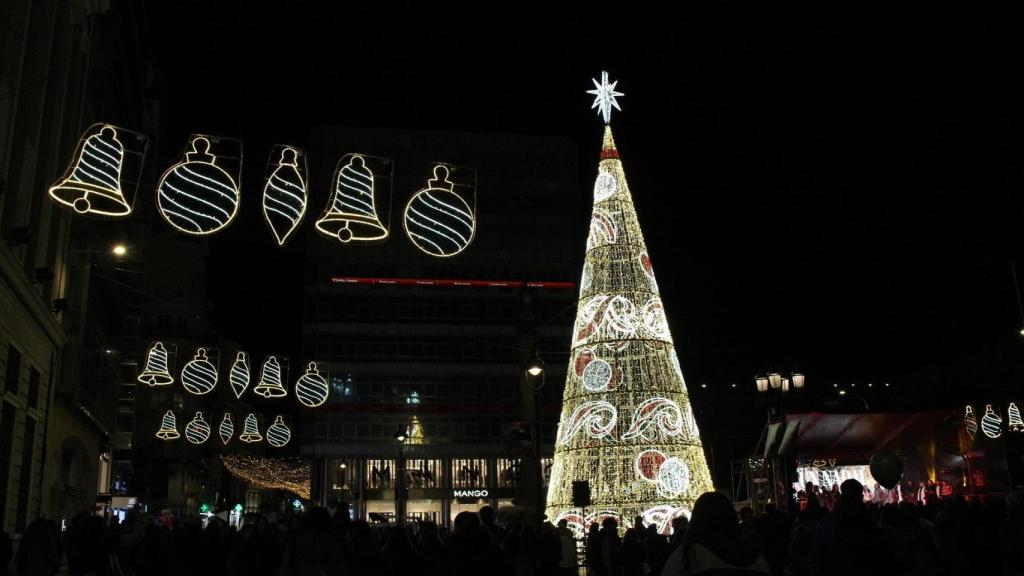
[604, 97]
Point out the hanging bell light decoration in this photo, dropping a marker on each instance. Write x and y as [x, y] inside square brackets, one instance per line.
[250, 430]
[226, 428]
[437, 220]
[199, 376]
[1015, 424]
[198, 430]
[92, 183]
[155, 372]
[197, 196]
[284, 195]
[311, 388]
[239, 375]
[270, 380]
[168, 427]
[278, 434]
[991, 423]
[351, 215]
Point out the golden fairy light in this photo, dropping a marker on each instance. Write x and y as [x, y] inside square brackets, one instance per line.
[289, 474]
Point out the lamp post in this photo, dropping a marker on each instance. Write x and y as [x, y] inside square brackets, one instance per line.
[401, 436]
[774, 385]
[535, 376]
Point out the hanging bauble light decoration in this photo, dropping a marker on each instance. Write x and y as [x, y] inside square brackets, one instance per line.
[156, 373]
[278, 434]
[270, 385]
[197, 430]
[226, 429]
[197, 196]
[311, 389]
[284, 195]
[250, 430]
[168, 427]
[199, 376]
[991, 423]
[239, 375]
[437, 220]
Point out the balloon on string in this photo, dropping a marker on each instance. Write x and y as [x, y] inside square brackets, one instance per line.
[886, 468]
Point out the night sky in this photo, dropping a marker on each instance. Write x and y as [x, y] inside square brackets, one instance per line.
[830, 190]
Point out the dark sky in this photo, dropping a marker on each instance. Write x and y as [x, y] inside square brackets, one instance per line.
[825, 188]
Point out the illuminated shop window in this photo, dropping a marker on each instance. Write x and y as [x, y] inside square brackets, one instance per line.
[469, 473]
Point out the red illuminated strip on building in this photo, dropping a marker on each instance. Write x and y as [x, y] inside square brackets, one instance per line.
[446, 283]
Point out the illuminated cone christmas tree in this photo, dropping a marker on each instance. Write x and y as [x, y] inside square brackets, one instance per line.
[626, 425]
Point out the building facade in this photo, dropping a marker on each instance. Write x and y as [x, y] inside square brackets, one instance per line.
[425, 356]
[63, 299]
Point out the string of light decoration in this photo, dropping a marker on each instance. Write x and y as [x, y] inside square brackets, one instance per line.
[437, 220]
[351, 216]
[288, 474]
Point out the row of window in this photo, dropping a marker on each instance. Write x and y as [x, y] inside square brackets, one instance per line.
[12, 377]
[435, 429]
[477, 312]
[12, 385]
[458, 473]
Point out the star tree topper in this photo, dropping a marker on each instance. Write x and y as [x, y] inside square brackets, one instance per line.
[604, 97]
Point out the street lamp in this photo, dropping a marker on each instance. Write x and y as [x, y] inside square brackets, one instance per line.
[401, 435]
[119, 249]
[535, 376]
[762, 383]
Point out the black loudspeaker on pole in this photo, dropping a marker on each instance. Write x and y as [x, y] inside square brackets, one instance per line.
[581, 493]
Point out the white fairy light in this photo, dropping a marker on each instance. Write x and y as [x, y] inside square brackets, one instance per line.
[226, 428]
[605, 186]
[970, 422]
[168, 427]
[250, 430]
[604, 229]
[1015, 424]
[351, 215]
[662, 517]
[270, 385]
[597, 375]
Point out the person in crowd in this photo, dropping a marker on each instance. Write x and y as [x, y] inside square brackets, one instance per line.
[846, 541]
[39, 550]
[567, 562]
[610, 560]
[679, 526]
[714, 543]
[656, 549]
[632, 556]
[430, 548]
[469, 551]
[593, 549]
[312, 550]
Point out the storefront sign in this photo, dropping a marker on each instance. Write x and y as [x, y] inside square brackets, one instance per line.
[471, 493]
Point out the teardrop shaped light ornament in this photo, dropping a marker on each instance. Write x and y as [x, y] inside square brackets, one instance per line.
[199, 376]
[285, 193]
[226, 428]
[311, 388]
[239, 376]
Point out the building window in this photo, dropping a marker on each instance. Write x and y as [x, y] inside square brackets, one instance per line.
[423, 473]
[13, 373]
[469, 473]
[33, 387]
[6, 449]
[379, 473]
[25, 481]
[509, 472]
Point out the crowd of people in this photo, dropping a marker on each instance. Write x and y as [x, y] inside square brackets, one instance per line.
[949, 536]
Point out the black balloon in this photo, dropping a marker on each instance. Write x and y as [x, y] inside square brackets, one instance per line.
[887, 469]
